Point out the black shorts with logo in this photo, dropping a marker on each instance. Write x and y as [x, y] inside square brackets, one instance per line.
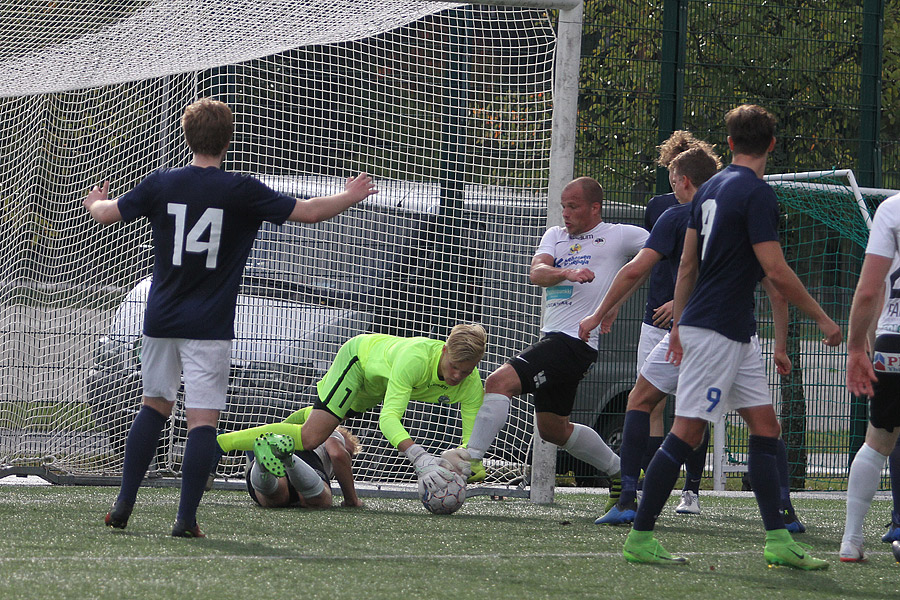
[884, 405]
[552, 369]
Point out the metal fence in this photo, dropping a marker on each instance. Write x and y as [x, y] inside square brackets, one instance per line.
[822, 67]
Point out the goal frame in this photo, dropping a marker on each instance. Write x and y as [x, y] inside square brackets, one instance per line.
[561, 160]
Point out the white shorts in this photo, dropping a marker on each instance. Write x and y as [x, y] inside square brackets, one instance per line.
[719, 375]
[650, 337]
[661, 374]
[205, 364]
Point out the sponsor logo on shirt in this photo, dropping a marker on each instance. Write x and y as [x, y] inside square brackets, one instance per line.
[559, 292]
[886, 362]
[599, 241]
[569, 261]
[574, 248]
[444, 399]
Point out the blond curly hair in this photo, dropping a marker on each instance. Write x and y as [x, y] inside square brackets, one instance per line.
[680, 141]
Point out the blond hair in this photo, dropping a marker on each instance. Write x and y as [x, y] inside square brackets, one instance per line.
[466, 342]
[351, 442]
[679, 142]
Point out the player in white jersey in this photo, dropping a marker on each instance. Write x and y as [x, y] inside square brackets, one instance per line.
[575, 265]
[307, 475]
[730, 242]
[877, 375]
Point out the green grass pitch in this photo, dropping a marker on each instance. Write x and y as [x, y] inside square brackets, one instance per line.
[56, 546]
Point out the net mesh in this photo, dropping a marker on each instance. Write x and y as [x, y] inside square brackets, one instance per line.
[823, 236]
[448, 108]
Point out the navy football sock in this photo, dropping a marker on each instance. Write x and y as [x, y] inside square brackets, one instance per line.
[140, 448]
[784, 476]
[694, 465]
[659, 480]
[763, 474]
[634, 441]
[199, 450]
[653, 444]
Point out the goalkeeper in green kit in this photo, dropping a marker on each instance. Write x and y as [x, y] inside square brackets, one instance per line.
[374, 369]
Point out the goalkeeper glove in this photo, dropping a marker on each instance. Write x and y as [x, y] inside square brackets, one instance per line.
[459, 460]
[433, 473]
[479, 473]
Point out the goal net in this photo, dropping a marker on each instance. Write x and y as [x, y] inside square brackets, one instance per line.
[824, 227]
[447, 106]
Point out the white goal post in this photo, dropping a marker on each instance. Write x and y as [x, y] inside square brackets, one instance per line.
[465, 114]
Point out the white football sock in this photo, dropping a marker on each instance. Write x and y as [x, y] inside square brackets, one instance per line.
[490, 420]
[587, 445]
[262, 481]
[304, 478]
[865, 475]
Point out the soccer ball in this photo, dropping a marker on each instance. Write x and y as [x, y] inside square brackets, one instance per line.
[447, 500]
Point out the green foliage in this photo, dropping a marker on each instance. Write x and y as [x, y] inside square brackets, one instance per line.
[800, 59]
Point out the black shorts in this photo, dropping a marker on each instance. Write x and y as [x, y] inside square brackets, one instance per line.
[307, 456]
[884, 405]
[552, 369]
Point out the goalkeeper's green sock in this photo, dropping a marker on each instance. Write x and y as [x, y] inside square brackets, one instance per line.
[299, 417]
[244, 439]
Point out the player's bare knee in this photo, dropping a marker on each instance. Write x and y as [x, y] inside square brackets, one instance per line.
[554, 429]
[160, 405]
[504, 381]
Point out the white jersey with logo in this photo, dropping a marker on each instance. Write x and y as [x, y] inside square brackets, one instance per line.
[604, 250]
[884, 240]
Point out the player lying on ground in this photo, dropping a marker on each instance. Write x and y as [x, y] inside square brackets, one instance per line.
[878, 376]
[375, 369]
[730, 243]
[308, 473]
[204, 221]
[575, 265]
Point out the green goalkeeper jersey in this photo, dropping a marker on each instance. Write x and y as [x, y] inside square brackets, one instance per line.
[397, 370]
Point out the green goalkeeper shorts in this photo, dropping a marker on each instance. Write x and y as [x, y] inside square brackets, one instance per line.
[343, 381]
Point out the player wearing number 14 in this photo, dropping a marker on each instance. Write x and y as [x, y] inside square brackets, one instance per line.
[204, 221]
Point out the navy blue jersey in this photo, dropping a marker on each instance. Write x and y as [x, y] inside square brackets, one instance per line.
[731, 212]
[204, 222]
[661, 287]
[667, 238]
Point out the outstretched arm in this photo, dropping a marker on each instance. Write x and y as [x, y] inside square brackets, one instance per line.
[627, 280]
[102, 209]
[684, 287]
[323, 208]
[789, 285]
